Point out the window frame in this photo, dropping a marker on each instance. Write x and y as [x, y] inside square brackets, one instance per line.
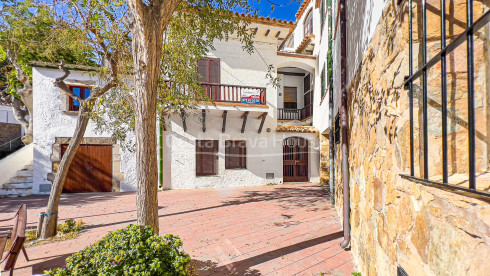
[200, 153]
[83, 96]
[208, 62]
[242, 158]
[308, 27]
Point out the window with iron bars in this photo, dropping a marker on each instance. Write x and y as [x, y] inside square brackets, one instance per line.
[447, 91]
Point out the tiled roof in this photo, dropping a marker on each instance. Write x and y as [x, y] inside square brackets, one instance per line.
[267, 20]
[68, 66]
[302, 8]
[302, 46]
[301, 129]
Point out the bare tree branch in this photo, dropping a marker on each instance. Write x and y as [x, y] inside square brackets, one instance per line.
[21, 76]
[60, 83]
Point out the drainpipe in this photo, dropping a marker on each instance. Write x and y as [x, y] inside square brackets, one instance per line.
[344, 123]
[330, 106]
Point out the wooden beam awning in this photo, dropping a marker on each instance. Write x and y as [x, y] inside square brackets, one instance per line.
[262, 118]
[244, 117]
[204, 120]
[223, 128]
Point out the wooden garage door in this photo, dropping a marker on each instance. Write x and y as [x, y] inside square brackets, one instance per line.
[90, 171]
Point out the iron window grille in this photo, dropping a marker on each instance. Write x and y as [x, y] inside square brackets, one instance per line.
[466, 36]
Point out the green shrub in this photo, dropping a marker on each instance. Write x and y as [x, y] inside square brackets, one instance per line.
[129, 251]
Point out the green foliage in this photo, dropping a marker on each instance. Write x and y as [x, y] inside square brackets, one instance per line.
[129, 251]
[70, 226]
[190, 35]
[31, 32]
[356, 274]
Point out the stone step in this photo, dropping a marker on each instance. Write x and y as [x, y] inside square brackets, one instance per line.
[17, 186]
[29, 167]
[21, 179]
[14, 192]
[25, 173]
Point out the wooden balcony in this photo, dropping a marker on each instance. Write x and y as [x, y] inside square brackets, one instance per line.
[233, 93]
[291, 114]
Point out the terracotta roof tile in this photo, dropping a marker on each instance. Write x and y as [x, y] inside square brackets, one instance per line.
[302, 8]
[267, 20]
[301, 129]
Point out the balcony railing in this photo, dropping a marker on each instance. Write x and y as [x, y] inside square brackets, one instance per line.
[295, 114]
[229, 93]
[235, 93]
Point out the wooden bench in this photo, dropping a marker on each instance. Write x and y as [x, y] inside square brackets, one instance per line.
[17, 239]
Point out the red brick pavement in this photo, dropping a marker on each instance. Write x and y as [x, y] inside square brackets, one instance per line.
[267, 230]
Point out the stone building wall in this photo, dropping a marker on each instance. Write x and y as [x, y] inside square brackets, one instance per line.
[9, 132]
[394, 221]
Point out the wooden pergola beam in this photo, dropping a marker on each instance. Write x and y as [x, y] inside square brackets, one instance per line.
[223, 128]
[182, 115]
[244, 117]
[262, 116]
[204, 120]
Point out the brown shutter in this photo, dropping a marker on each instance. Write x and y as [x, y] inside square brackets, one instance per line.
[214, 70]
[206, 153]
[290, 94]
[235, 155]
[202, 70]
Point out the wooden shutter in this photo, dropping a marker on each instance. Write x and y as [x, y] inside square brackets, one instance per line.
[206, 155]
[209, 70]
[290, 97]
[214, 70]
[202, 70]
[235, 154]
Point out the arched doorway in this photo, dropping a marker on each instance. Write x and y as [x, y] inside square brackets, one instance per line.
[295, 159]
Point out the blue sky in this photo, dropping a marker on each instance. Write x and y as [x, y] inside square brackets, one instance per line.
[286, 12]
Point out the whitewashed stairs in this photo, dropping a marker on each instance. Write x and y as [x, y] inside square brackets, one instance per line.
[20, 184]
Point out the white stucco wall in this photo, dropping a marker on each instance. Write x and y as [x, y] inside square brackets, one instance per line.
[49, 123]
[264, 151]
[291, 81]
[362, 19]
[7, 115]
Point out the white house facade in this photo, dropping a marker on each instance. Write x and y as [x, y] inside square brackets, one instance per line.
[253, 134]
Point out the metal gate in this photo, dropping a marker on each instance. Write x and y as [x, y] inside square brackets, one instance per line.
[295, 159]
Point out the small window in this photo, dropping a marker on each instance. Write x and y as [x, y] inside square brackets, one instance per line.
[308, 25]
[82, 92]
[206, 157]
[235, 154]
[209, 70]
[290, 97]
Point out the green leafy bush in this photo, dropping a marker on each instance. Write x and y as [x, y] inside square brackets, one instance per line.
[129, 251]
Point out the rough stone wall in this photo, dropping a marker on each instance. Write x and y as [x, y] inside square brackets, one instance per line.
[324, 159]
[427, 231]
[8, 132]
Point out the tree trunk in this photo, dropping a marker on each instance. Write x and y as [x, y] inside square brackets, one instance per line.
[51, 219]
[147, 49]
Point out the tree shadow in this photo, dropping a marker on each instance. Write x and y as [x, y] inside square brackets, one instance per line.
[11, 204]
[244, 265]
[205, 268]
[51, 263]
[288, 197]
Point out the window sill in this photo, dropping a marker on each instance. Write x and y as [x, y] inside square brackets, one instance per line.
[70, 113]
[450, 188]
[236, 169]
